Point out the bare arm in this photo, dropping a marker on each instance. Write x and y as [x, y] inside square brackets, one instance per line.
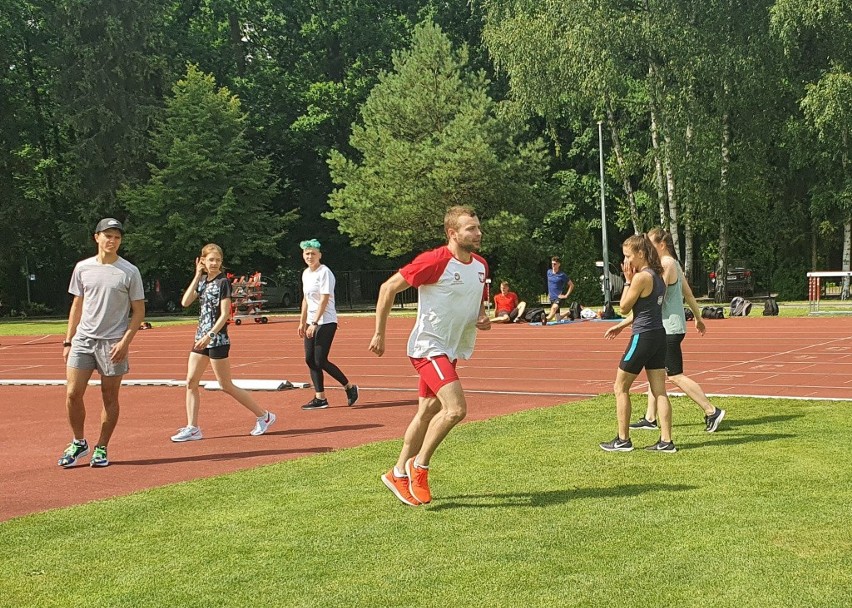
[219, 325]
[639, 284]
[190, 295]
[483, 322]
[311, 329]
[74, 316]
[690, 300]
[387, 294]
[120, 349]
[303, 318]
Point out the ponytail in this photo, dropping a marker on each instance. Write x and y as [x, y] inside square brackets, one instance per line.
[641, 242]
[658, 235]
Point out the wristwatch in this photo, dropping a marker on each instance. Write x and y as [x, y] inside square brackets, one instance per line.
[314, 323]
[64, 344]
[211, 335]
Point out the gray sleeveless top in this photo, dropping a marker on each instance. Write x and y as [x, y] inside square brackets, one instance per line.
[674, 319]
[648, 311]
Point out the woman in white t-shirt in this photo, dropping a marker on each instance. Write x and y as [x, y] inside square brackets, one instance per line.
[318, 324]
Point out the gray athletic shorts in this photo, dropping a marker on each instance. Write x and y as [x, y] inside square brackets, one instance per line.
[89, 353]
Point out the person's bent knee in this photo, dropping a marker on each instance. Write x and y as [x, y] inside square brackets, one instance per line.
[455, 415]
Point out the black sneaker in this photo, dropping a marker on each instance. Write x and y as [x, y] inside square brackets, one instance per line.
[351, 395]
[316, 404]
[74, 452]
[713, 420]
[617, 445]
[662, 446]
[645, 425]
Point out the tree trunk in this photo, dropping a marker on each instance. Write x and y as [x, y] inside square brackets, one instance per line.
[674, 224]
[847, 225]
[658, 170]
[688, 236]
[625, 178]
[236, 35]
[722, 267]
[687, 250]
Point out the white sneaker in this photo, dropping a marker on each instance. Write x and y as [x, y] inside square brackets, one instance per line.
[263, 423]
[187, 433]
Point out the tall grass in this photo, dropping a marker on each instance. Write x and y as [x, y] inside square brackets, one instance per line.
[528, 511]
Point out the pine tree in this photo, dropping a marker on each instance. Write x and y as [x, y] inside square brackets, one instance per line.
[207, 186]
[431, 137]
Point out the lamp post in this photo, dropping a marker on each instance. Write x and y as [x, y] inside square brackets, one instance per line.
[606, 285]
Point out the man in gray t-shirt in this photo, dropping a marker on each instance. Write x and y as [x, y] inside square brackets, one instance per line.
[106, 289]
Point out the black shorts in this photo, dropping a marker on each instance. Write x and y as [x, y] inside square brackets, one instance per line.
[674, 355]
[512, 314]
[645, 351]
[217, 352]
[556, 303]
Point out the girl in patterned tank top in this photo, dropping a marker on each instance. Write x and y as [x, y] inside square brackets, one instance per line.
[213, 290]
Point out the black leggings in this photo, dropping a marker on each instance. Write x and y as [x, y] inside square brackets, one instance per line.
[316, 356]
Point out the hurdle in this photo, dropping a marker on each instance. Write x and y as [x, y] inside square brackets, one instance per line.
[829, 284]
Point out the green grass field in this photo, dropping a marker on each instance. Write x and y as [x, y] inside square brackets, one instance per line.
[528, 512]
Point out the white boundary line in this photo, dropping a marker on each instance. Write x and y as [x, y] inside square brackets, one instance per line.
[251, 385]
[265, 385]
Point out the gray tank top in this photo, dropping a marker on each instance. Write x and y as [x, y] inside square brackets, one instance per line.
[674, 319]
[648, 311]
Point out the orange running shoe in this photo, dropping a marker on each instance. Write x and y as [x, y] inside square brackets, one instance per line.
[399, 487]
[419, 480]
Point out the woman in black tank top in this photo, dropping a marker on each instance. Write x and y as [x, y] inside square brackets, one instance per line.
[642, 301]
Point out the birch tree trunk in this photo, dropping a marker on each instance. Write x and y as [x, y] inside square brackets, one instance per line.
[658, 171]
[847, 225]
[674, 225]
[688, 236]
[722, 267]
[622, 169]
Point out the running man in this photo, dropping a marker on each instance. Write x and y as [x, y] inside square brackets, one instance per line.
[105, 288]
[450, 281]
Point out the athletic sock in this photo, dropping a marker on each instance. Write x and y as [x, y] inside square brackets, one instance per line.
[396, 472]
[420, 466]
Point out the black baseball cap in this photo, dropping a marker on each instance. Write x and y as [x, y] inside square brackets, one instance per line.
[107, 223]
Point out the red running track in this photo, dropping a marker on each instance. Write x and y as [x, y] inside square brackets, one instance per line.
[515, 367]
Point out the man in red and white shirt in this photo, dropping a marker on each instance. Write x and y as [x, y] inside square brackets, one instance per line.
[450, 283]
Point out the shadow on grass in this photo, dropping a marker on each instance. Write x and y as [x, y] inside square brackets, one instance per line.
[551, 497]
[221, 456]
[739, 439]
[732, 424]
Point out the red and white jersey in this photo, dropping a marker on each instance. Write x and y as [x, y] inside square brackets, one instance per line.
[450, 294]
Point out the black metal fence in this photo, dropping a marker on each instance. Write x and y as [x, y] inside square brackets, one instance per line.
[359, 290]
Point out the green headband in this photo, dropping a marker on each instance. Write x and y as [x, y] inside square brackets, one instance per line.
[310, 244]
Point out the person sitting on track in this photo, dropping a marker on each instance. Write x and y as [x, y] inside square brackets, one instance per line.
[507, 308]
